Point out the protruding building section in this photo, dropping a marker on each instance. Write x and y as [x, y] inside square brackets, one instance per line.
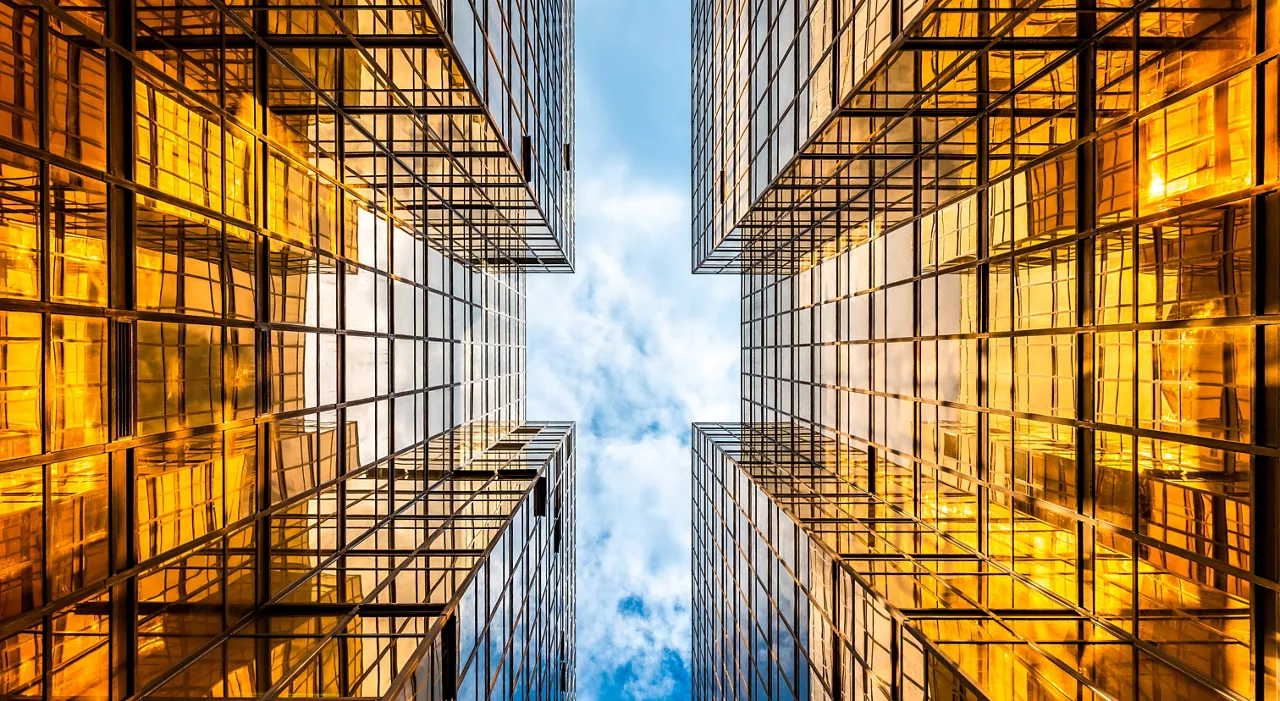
[262, 350]
[810, 585]
[819, 125]
[1010, 330]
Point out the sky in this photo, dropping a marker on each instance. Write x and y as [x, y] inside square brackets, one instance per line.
[633, 348]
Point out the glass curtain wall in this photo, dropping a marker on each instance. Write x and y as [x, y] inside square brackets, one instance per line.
[1011, 285]
[262, 349]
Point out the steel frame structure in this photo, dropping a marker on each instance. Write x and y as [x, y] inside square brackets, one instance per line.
[1008, 281]
[262, 273]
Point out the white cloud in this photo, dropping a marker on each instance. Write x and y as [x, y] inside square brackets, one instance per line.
[634, 348]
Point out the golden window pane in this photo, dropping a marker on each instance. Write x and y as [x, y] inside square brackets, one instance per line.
[77, 382]
[293, 369]
[1000, 373]
[1198, 147]
[1197, 499]
[1045, 462]
[1203, 624]
[19, 224]
[291, 205]
[1000, 289]
[958, 232]
[1114, 367]
[1197, 381]
[1114, 285]
[19, 72]
[1114, 488]
[178, 147]
[1050, 200]
[20, 359]
[1114, 75]
[184, 610]
[241, 373]
[77, 95]
[1045, 289]
[22, 664]
[1116, 175]
[1044, 549]
[293, 271]
[78, 520]
[179, 264]
[179, 376]
[1000, 451]
[21, 568]
[77, 239]
[197, 69]
[1271, 134]
[1197, 266]
[80, 645]
[241, 274]
[240, 462]
[241, 197]
[958, 302]
[293, 457]
[1114, 596]
[241, 579]
[179, 493]
[1044, 110]
[1045, 371]
[1211, 36]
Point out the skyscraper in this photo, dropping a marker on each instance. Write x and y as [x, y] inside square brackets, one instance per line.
[1009, 349]
[262, 349]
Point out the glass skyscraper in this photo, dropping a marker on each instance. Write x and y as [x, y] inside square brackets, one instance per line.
[262, 350]
[1010, 382]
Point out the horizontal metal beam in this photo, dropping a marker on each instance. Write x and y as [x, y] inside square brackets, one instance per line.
[394, 110]
[195, 42]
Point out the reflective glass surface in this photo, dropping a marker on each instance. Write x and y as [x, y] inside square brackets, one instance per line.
[1009, 347]
[262, 349]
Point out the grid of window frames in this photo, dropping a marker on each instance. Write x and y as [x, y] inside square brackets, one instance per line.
[251, 327]
[1024, 278]
[517, 56]
[778, 613]
[766, 77]
[904, 97]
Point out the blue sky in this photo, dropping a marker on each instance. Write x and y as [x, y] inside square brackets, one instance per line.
[633, 348]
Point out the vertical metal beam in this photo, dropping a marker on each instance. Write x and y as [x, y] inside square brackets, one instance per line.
[1264, 480]
[837, 680]
[1086, 221]
[46, 340]
[982, 271]
[120, 241]
[449, 658]
[262, 524]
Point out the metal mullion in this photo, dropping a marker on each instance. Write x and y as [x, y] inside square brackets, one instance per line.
[982, 274]
[121, 213]
[1085, 249]
[46, 471]
[263, 339]
[1265, 298]
[344, 469]
[1265, 523]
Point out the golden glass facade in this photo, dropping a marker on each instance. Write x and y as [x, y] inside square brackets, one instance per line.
[1010, 349]
[262, 350]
